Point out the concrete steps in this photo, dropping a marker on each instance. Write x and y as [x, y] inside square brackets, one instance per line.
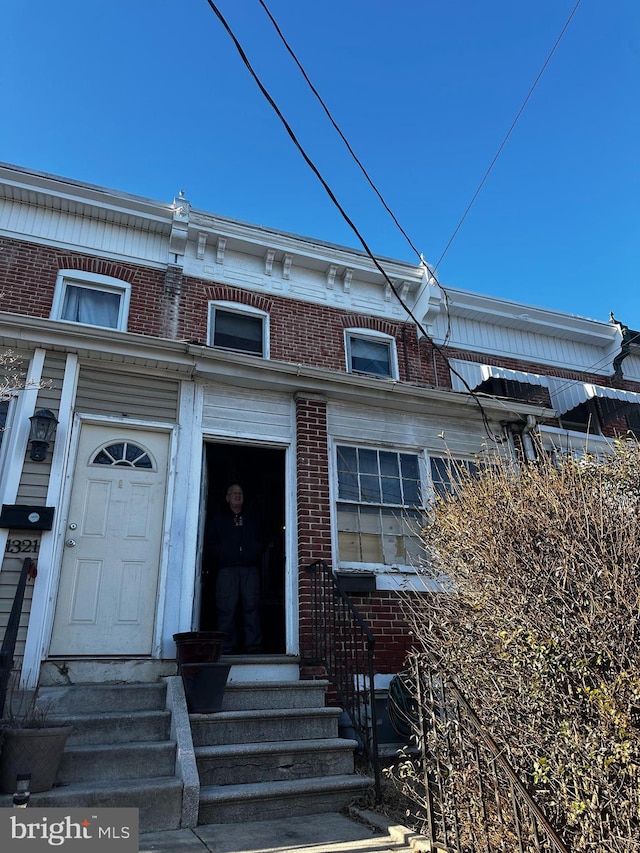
[234, 764]
[122, 756]
[270, 800]
[158, 800]
[264, 725]
[273, 751]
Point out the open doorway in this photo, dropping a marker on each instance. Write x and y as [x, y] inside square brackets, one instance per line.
[261, 473]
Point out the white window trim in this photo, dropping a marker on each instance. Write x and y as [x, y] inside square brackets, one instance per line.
[7, 445]
[377, 337]
[399, 570]
[239, 308]
[92, 281]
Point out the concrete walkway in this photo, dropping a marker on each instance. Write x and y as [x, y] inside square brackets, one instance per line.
[321, 833]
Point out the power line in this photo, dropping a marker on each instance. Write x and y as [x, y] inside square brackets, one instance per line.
[338, 205]
[338, 130]
[430, 272]
[508, 134]
[343, 212]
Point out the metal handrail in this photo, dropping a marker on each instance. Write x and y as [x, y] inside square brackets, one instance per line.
[455, 745]
[343, 644]
[11, 631]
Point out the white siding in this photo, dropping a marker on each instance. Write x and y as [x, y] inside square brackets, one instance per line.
[544, 349]
[34, 481]
[438, 435]
[631, 368]
[82, 232]
[240, 413]
[130, 395]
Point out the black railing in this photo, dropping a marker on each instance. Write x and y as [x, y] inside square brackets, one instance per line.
[343, 644]
[11, 631]
[468, 796]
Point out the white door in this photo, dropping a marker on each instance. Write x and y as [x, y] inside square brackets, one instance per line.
[109, 576]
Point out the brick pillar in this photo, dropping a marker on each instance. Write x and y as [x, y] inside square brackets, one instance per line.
[314, 515]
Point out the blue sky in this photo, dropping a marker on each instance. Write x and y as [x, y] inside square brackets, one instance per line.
[150, 96]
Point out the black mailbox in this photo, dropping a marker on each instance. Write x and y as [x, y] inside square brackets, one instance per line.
[24, 517]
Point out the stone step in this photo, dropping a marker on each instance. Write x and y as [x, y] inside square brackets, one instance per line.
[258, 695]
[159, 800]
[236, 764]
[250, 668]
[238, 803]
[264, 725]
[118, 727]
[95, 698]
[109, 762]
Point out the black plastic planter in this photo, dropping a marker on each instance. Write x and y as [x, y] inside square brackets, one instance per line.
[204, 686]
[198, 646]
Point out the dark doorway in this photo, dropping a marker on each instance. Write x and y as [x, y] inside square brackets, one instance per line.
[261, 473]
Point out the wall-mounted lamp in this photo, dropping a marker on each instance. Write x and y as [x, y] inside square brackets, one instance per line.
[43, 428]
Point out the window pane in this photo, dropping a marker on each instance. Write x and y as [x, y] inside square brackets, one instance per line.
[388, 464]
[371, 548]
[347, 518]
[347, 460]
[349, 547]
[370, 356]
[394, 551]
[411, 496]
[238, 332]
[348, 488]
[392, 524]
[370, 520]
[368, 461]
[370, 488]
[91, 307]
[391, 493]
[409, 466]
[441, 476]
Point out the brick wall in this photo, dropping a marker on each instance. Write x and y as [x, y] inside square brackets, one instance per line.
[302, 332]
[382, 612]
[314, 511]
[28, 273]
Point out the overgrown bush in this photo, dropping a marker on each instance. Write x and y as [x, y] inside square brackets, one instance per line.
[540, 629]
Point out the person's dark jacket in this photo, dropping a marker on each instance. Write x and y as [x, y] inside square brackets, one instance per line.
[237, 545]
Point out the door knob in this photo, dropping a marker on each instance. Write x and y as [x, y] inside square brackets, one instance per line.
[70, 543]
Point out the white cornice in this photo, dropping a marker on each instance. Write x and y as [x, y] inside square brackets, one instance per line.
[524, 317]
[55, 193]
[435, 308]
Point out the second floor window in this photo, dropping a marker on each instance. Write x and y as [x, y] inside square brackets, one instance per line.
[92, 300]
[239, 330]
[371, 353]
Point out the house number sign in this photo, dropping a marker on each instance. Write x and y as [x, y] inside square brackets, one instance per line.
[22, 546]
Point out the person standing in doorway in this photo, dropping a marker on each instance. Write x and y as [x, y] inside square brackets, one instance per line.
[238, 543]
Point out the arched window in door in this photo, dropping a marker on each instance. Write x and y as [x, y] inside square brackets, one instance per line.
[124, 454]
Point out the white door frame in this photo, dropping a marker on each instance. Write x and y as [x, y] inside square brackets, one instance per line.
[31, 664]
[193, 515]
